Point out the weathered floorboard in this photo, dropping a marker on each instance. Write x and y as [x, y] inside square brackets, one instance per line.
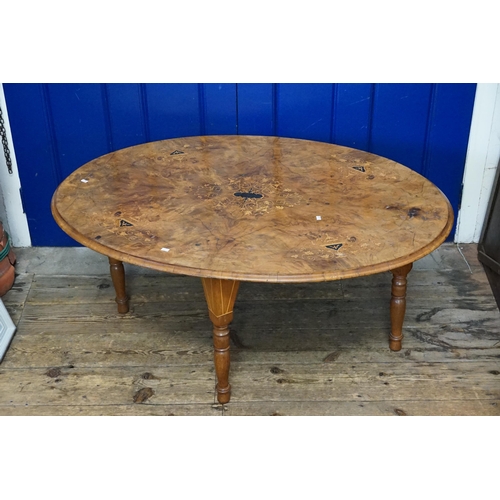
[102, 409]
[472, 407]
[33, 348]
[98, 289]
[300, 314]
[366, 408]
[283, 382]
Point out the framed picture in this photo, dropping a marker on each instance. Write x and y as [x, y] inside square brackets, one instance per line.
[7, 329]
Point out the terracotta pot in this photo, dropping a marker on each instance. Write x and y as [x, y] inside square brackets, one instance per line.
[7, 261]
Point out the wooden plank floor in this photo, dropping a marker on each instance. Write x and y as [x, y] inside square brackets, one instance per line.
[308, 349]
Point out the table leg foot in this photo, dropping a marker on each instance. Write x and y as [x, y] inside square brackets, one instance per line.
[398, 305]
[118, 277]
[220, 296]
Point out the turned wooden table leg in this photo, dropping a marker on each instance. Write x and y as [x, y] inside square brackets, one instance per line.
[398, 305]
[220, 295]
[118, 277]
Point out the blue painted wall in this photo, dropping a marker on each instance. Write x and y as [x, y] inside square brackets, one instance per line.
[58, 127]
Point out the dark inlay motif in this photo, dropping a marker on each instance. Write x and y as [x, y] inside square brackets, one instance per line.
[361, 169]
[413, 212]
[334, 247]
[176, 152]
[124, 223]
[248, 195]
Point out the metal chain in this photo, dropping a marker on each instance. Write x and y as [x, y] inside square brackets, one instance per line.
[5, 144]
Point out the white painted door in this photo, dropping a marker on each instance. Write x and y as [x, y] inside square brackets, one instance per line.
[483, 155]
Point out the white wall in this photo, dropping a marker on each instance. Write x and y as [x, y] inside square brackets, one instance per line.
[483, 155]
[13, 217]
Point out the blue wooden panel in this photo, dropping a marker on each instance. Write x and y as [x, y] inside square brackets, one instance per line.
[399, 122]
[256, 109]
[449, 127]
[126, 118]
[352, 109]
[172, 110]
[304, 110]
[39, 169]
[219, 101]
[57, 128]
[79, 119]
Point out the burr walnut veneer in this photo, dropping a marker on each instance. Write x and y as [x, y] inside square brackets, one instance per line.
[249, 208]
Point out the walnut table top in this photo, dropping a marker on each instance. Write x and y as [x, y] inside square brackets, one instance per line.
[253, 209]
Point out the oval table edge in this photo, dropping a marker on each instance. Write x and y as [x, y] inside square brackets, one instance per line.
[297, 278]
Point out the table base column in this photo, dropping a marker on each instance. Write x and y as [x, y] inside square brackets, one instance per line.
[398, 305]
[118, 277]
[221, 295]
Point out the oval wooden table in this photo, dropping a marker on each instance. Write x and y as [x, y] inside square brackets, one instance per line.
[251, 208]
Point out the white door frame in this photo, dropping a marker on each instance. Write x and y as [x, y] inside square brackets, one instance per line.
[16, 222]
[483, 155]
